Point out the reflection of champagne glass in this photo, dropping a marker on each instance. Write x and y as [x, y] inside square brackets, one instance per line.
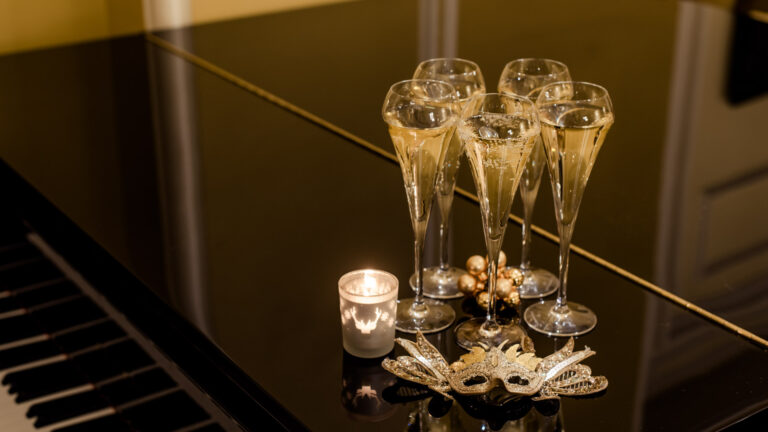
[526, 77]
[443, 281]
[421, 115]
[575, 117]
[498, 132]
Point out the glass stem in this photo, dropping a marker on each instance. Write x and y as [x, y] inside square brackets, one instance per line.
[490, 327]
[525, 255]
[566, 231]
[418, 308]
[493, 263]
[445, 224]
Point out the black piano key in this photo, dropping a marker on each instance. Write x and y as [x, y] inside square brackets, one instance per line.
[50, 319]
[38, 296]
[17, 254]
[27, 354]
[63, 315]
[112, 394]
[27, 274]
[137, 386]
[213, 427]
[88, 336]
[66, 343]
[165, 413]
[112, 423]
[17, 328]
[66, 408]
[124, 356]
[43, 380]
[92, 366]
[12, 231]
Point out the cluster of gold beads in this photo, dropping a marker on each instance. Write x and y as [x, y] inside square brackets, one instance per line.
[475, 283]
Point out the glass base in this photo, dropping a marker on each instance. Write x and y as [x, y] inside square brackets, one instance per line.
[538, 283]
[434, 317]
[573, 320]
[470, 333]
[440, 284]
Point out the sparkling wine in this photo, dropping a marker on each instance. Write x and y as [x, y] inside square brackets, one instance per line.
[420, 153]
[447, 176]
[571, 151]
[531, 177]
[497, 148]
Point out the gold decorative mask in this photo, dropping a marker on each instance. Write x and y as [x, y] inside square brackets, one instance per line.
[481, 370]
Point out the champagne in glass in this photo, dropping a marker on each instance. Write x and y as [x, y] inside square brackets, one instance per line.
[526, 77]
[575, 118]
[442, 282]
[498, 132]
[421, 115]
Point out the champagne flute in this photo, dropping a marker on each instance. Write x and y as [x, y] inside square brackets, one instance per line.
[575, 117]
[498, 132]
[526, 77]
[421, 115]
[442, 282]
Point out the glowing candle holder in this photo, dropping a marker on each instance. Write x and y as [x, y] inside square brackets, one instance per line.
[368, 302]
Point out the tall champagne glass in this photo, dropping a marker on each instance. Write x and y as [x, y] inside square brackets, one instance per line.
[575, 117]
[526, 77]
[421, 115]
[442, 282]
[498, 132]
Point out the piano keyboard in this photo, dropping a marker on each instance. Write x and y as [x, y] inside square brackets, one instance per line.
[69, 362]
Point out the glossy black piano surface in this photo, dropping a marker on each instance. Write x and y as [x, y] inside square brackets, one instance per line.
[240, 215]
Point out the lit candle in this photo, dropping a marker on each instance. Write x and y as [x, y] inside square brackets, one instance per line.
[367, 301]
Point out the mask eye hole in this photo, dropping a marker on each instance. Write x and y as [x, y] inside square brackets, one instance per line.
[475, 380]
[517, 380]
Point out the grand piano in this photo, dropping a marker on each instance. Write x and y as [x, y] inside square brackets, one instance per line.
[177, 208]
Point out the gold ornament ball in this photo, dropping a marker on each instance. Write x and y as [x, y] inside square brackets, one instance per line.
[476, 265]
[515, 275]
[482, 299]
[513, 299]
[480, 286]
[482, 277]
[467, 284]
[504, 288]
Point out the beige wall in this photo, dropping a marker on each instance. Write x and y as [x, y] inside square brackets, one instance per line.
[34, 24]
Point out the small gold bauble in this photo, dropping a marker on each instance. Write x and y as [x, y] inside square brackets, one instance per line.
[476, 265]
[503, 288]
[480, 286]
[514, 298]
[467, 284]
[482, 277]
[515, 275]
[482, 299]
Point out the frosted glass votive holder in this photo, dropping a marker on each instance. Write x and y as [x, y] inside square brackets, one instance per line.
[368, 302]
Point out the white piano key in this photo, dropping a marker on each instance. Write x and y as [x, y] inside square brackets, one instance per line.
[36, 363]
[20, 342]
[12, 313]
[81, 419]
[13, 415]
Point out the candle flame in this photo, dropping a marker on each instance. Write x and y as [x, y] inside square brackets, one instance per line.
[369, 283]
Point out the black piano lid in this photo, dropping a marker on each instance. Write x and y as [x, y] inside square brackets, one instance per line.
[202, 361]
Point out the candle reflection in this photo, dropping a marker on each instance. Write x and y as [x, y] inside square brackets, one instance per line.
[362, 382]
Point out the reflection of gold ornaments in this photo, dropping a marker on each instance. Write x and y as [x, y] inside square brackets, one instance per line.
[517, 369]
[475, 283]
